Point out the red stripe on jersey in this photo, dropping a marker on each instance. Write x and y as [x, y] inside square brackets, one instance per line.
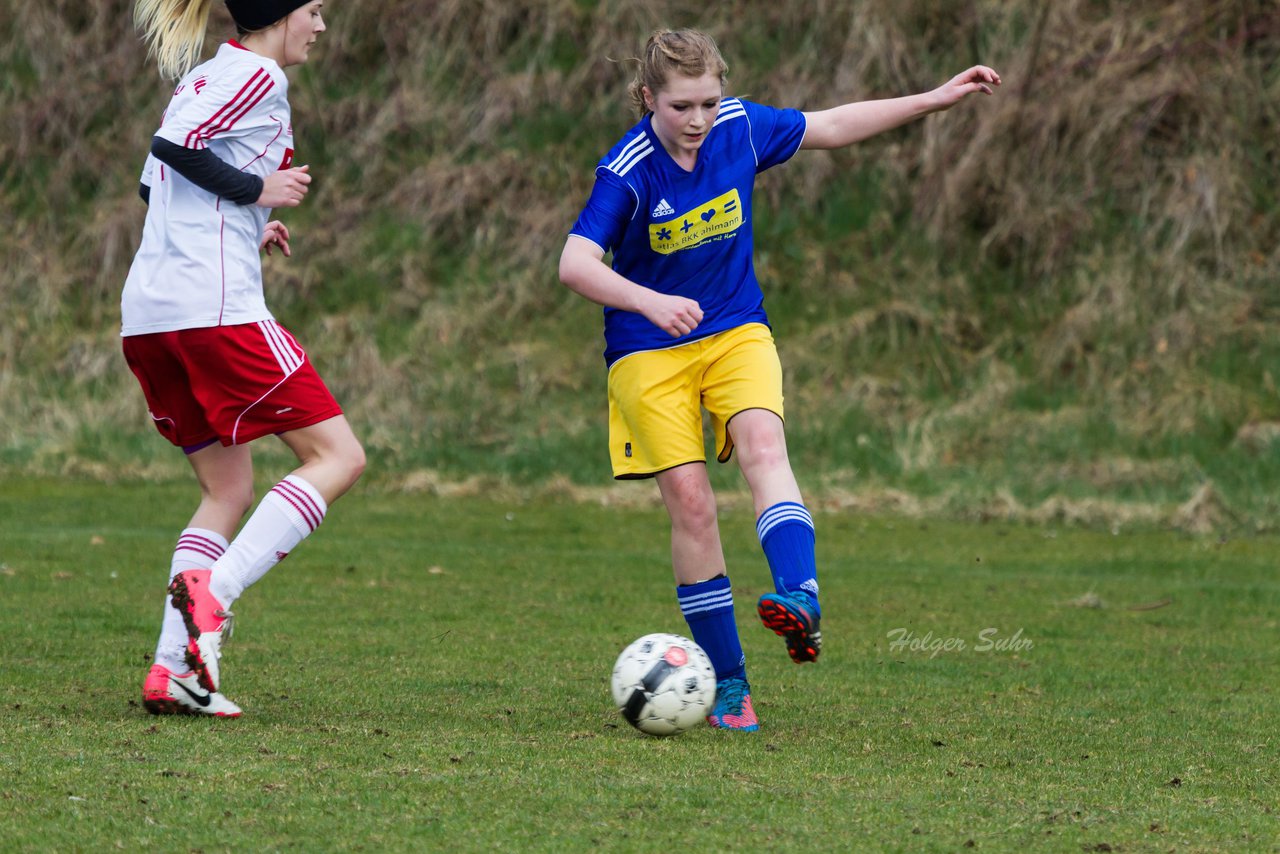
[194, 138]
[222, 260]
[288, 152]
[230, 121]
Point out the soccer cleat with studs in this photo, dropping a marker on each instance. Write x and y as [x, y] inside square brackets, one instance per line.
[733, 709]
[206, 621]
[794, 620]
[169, 693]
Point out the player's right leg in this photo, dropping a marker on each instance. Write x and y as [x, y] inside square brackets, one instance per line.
[164, 370]
[225, 474]
[704, 591]
[167, 692]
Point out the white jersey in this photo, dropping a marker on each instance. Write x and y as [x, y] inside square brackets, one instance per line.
[198, 264]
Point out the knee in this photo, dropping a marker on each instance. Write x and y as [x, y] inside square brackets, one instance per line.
[356, 461]
[763, 453]
[349, 458]
[694, 507]
[234, 498]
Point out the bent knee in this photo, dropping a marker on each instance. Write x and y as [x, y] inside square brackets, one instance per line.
[234, 499]
[356, 461]
[347, 457]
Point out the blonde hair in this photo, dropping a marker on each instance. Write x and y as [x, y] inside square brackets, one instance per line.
[174, 31]
[690, 53]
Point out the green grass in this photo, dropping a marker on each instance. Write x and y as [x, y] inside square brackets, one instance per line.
[431, 674]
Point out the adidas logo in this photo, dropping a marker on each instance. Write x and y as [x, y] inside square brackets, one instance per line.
[663, 209]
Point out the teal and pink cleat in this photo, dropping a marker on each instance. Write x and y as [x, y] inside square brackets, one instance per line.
[796, 621]
[732, 709]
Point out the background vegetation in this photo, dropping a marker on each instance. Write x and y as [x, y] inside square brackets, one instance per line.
[1053, 304]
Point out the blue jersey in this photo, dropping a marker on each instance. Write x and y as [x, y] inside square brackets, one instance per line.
[687, 233]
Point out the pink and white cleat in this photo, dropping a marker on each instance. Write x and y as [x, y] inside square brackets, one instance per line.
[169, 693]
[206, 620]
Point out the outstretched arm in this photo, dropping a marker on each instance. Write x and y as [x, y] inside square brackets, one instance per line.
[850, 123]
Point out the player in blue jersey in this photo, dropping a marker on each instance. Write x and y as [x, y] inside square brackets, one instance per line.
[685, 326]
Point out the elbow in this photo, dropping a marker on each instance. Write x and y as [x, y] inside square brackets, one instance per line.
[567, 271]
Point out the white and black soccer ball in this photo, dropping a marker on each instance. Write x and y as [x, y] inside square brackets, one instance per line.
[663, 684]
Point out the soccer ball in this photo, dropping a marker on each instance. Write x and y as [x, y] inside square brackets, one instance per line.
[663, 684]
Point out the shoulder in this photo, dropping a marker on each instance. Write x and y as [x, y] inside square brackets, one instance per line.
[733, 123]
[732, 109]
[236, 66]
[745, 112]
[630, 152]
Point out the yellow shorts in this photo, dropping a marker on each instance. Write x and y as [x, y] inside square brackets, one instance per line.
[656, 398]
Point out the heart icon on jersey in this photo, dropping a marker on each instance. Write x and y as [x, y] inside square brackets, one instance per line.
[707, 215]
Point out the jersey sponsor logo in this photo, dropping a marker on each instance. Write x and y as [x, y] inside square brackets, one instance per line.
[287, 161]
[715, 220]
[663, 209]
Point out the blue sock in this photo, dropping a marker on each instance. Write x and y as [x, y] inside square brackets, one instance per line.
[786, 535]
[708, 609]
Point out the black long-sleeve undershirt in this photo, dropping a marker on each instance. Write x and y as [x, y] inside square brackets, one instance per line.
[207, 171]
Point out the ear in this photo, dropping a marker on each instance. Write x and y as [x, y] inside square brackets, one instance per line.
[650, 103]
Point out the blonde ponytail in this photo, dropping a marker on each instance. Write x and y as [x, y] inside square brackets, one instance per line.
[174, 31]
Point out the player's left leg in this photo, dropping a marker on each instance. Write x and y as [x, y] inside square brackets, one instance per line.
[331, 460]
[785, 529]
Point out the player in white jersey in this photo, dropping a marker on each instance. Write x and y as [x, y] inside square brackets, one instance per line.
[215, 367]
[686, 330]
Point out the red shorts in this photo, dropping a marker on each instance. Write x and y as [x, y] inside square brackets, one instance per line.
[232, 384]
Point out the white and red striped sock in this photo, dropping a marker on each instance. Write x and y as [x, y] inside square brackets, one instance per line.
[197, 548]
[285, 517]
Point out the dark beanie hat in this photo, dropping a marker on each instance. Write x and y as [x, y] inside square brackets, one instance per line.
[251, 15]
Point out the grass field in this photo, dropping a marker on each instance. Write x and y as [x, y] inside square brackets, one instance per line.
[431, 673]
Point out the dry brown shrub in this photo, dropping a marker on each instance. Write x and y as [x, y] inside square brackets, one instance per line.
[1115, 177]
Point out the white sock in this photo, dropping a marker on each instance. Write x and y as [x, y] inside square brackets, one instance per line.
[285, 517]
[197, 549]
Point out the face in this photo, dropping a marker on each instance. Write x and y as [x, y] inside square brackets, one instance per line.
[301, 29]
[684, 111]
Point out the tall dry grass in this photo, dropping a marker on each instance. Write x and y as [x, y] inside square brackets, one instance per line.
[1104, 229]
